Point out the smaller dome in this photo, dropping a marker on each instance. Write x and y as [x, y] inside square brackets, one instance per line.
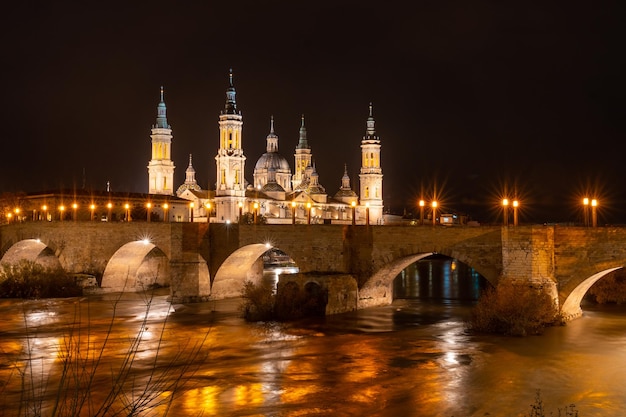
[272, 186]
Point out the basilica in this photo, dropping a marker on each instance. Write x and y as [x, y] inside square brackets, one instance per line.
[277, 194]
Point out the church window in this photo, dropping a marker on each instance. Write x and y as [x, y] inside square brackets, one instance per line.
[236, 176]
[223, 180]
[230, 139]
[367, 192]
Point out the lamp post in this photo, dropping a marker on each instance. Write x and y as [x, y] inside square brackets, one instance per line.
[208, 212]
[9, 215]
[505, 209]
[367, 214]
[586, 211]
[191, 206]
[515, 206]
[62, 211]
[165, 216]
[353, 204]
[256, 211]
[148, 211]
[240, 204]
[434, 207]
[594, 213]
[422, 203]
[308, 215]
[127, 208]
[74, 207]
[44, 208]
[17, 214]
[92, 207]
[293, 212]
[109, 207]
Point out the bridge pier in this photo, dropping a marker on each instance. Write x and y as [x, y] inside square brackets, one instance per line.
[189, 280]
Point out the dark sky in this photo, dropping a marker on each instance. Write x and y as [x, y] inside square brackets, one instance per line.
[470, 98]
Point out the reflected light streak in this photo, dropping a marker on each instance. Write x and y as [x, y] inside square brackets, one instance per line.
[246, 395]
[201, 400]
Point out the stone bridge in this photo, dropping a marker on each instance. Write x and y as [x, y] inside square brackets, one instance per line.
[357, 264]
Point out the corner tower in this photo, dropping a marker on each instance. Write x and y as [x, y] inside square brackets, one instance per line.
[161, 167]
[230, 187]
[371, 175]
[302, 158]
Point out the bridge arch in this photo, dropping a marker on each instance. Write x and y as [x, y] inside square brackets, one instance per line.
[571, 307]
[136, 266]
[32, 250]
[236, 269]
[378, 289]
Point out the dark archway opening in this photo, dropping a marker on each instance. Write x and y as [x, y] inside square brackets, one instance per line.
[441, 278]
[435, 289]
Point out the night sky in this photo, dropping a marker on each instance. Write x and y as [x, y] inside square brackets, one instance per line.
[470, 98]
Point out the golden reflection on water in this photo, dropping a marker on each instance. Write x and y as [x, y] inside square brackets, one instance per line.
[204, 398]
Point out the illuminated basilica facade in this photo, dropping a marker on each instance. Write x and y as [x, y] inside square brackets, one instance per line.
[277, 195]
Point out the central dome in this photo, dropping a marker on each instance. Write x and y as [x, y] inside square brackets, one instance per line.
[272, 160]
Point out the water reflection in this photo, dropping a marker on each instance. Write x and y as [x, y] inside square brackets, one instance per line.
[413, 358]
[439, 277]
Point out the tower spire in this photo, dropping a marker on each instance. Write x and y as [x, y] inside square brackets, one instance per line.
[231, 103]
[371, 131]
[302, 143]
[161, 121]
[272, 138]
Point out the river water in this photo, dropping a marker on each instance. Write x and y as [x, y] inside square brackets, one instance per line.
[413, 358]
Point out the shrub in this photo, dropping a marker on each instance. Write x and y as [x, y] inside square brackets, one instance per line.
[537, 409]
[513, 309]
[259, 302]
[28, 279]
[289, 302]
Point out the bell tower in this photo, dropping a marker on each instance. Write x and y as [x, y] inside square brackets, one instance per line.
[302, 157]
[230, 186]
[371, 174]
[161, 167]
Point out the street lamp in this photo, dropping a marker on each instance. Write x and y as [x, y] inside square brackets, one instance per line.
[62, 210]
[434, 206]
[256, 211]
[109, 207]
[127, 208]
[594, 214]
[505, 210]
[92, 207]
[191, 206]
[293, 212]
[367, 214]
[208, 212]
[149, 209]
[353, 204]
[422, 204]
[586, 211]
[308, 216]
[165, 207]
[9, 215]
[74, 207]
[17, 214]
[44, 208]
[515, 206]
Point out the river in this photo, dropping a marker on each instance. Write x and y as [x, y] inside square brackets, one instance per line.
[413, 358]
